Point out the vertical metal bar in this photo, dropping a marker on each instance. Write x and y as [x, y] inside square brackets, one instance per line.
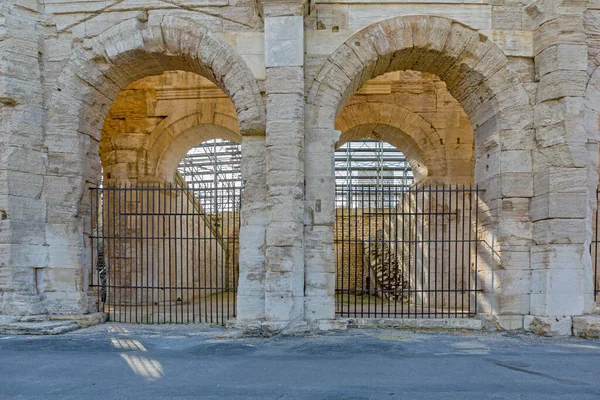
[204, 264]
[221, 214]
[369, 241]
[362, 236]
[443, 238]
[146, 257]
[392, 295]
[343, 260]
[477, 241]
[470, 244]
[449, 288]
[398, 261]
[429, 215]
[117, 269]
[410, 251]
[195, 217]
[126, 215]
[154, 248]
[416, 249]
[378, 244]
[190, 209]
[422, 250]
[456, 250]
[462, 253]
[104, 279]
[137, 243]
[409, 286]
[162, 213]
[182, 245]
[235, 233]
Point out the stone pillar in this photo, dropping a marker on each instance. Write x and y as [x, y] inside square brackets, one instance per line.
[284, 59]
[251, 284]
[560, 258]
[319, 223]
[24, 254]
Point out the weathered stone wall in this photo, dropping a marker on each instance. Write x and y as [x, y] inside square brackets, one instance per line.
[525, 75]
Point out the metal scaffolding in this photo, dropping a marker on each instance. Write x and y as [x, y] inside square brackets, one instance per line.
[213, 171]
[364, 169]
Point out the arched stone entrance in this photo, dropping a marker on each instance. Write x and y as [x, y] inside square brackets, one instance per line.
[83, 94]
[476, 73]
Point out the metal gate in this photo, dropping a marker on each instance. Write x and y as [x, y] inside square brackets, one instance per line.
[406, 251]
[165, 254]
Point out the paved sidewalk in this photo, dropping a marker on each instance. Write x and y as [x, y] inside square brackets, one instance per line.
[118, 361]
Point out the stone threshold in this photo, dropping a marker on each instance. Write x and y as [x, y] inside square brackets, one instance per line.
[47, 324]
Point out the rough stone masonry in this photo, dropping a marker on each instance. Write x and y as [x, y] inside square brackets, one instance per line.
[504, 94]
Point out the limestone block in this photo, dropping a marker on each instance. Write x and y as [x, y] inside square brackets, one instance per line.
[478, 16]
[548, 326]
[506, 17]
[560, 180]
[319, 284]
[553, 256]
[557, 84]
[587, 326]
[567, 57]
[559, 205]
[284, 259]
[285, 80]
[71, 302]
[555, 281]
[284, 158]
[286, 107]
[23, 208]
[509, 322]
[319, 308]
[250, 308]
[564, 30]
[284, 41]
[14, 303]
[557, 304]
[280, 307]
[282, 133]
[83, 320]
[510, 304]
[331, 324]
[555, 231]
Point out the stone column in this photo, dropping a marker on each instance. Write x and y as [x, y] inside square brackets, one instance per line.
[284, 59]
[253, 218]
[24, 254]
[560, 258]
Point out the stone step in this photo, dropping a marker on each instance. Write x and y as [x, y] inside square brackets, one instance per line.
[38, 328]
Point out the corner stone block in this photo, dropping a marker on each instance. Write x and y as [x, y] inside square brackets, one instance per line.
[587, 326]
[548, 326]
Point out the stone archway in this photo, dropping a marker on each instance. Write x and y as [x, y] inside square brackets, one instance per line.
[82, 96]
[405, 130]
[171, 140]
[476, 73]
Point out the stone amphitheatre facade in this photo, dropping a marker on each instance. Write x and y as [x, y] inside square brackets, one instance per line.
[501, 95]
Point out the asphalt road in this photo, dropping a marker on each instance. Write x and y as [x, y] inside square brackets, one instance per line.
[117, 361]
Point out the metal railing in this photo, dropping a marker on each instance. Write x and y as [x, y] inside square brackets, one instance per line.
[160, 258]
[407, 252]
